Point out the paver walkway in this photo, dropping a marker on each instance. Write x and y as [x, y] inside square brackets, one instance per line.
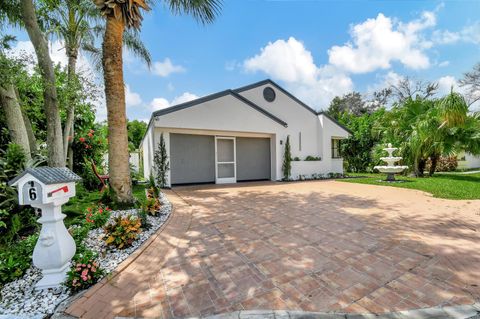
[313, 246]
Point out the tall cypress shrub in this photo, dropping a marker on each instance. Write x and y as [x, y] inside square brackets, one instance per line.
[161, 163]
[287, 161]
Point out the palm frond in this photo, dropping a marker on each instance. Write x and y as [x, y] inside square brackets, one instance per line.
[133, 43]
[204, 11]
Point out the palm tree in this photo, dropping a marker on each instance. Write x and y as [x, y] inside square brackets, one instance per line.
[121, 14]
[77, 23]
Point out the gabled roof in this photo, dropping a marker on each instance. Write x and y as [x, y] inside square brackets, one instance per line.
[293, 97]
[49, 175]
[216, 96]
[278, 87]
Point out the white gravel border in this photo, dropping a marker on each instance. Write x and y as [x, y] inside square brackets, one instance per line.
[19, 298]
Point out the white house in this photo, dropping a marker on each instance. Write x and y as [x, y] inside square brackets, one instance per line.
[239, 135]
[468, 161]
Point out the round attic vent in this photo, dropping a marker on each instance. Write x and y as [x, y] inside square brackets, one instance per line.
[269, 94]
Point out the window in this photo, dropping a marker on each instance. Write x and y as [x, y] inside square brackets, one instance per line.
[336, 149]
[299, 141]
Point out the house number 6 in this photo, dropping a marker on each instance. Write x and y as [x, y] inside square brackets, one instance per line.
[32, 193]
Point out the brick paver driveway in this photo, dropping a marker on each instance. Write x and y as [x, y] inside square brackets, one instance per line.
[316, 246]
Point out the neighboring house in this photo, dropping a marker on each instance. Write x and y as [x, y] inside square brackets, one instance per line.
[134, 160]
[239, 135]
[467, 161]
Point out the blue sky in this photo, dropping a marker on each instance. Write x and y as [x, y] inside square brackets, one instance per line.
[315, 49]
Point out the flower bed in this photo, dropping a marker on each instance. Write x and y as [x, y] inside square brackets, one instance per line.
[21, 300]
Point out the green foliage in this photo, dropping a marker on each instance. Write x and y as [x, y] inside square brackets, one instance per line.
[287, 161]
[312, 158]
[16, 259]
[151, 206]
[123, 231]
[296, 159]
[89, 145]
[85, 271]
[136, 131]
[357, 149]
[97, 216]
[13, 219]
[143, 215]
[161, 163]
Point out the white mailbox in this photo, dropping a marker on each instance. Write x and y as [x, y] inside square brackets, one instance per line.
[48, 188]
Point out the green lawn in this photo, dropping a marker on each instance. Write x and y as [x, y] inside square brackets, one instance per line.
[450, 186]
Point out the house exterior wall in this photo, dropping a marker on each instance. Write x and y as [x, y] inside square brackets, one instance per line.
[147, 148]
[471, 161]
[229, 116]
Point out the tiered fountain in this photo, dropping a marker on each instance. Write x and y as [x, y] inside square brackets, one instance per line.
[391, 169]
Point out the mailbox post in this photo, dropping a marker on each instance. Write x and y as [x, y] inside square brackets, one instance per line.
[48, 188]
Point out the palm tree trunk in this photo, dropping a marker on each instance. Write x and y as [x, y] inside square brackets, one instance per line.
[14, 118]
[433, 165]
[118, 164]
[68, 128]
[54, 125]
[32, 141]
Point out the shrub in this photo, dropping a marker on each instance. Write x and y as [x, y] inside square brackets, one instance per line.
[123, 231]
[16, 259]
[160, 163]
[85, 271]
[313, 158]
[447, 164]
[97, 216]
[153, 192]
[151, 206]
[143, 219]
[296, 159]
[287, 161]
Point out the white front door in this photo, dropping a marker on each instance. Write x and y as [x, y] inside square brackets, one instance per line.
[225, 165]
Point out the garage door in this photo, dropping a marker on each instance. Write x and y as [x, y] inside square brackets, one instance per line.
[192, 159]
[253, 159]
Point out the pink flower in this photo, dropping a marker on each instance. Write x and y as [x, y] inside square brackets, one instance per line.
[90, 135]
[82, 139]
[89, 266]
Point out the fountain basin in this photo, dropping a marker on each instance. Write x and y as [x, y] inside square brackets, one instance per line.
[391, 169]
[391, 159]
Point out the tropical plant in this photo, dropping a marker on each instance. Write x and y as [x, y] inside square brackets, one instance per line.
[16, 259]
[97, 216]
[160, 163]
[151, 206]
[287, 161]
[119, 15]
[122, 231]
[85, 272]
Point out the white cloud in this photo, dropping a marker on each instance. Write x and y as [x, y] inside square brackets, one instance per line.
[132, 98]
[159, 103]
[162, 103]
[444, 64]
[185, 97]
[470, 34]
[289, 61]
[445, 85]
[380, 41]
[166, 68]
[170, 87]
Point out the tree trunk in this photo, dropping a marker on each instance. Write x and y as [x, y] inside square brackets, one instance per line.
[118, 161]
[54, 125]
[420, 167]
[70, 152]
[14, 118]
[69, 122]
[32, 141]
[433, 165]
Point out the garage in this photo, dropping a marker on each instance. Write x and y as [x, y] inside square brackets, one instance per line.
[192, 159]
[253, 159]
[215, 159]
